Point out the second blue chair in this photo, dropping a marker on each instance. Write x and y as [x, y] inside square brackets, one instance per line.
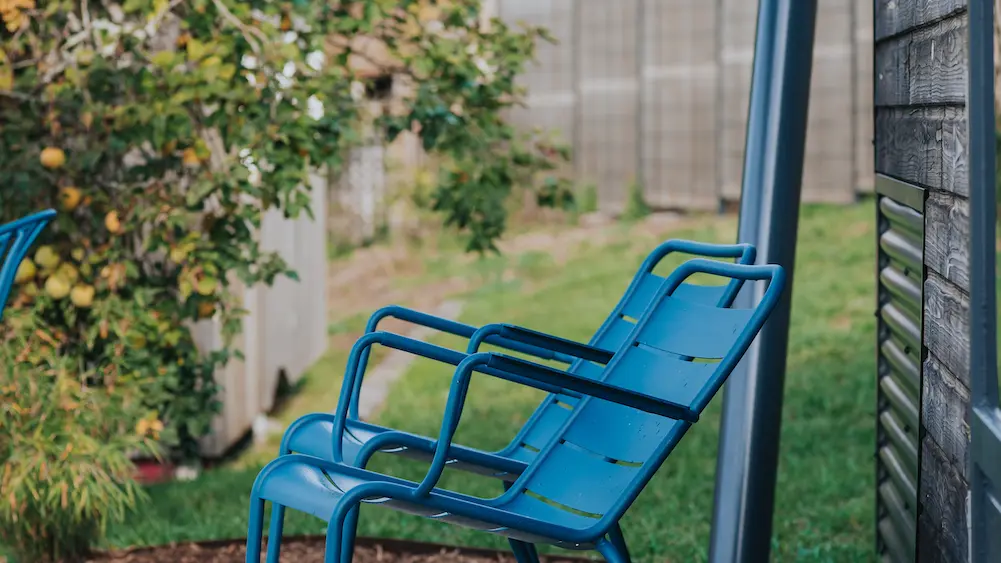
[574, 491]
[312, 434]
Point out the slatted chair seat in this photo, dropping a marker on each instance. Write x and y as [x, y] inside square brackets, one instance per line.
[580, 484]
[16, 238]
[311, 434]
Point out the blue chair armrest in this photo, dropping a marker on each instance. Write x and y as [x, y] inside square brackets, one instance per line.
[535, 338]
[544, 375]
[424, 349]
[451, 327]
[440, 324]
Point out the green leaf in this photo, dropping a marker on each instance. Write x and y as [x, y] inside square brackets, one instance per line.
[133, 6]
[196, 50]
[164, 59]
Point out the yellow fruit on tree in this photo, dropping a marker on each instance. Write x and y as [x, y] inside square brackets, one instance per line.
[115, 274]
[178, 254]
[68, 272]
[52, 157]
[47, 258]
[57, 287]
[147, 426]
[112, 222]
[78, 254]
[82, 295]
[206, 309]
[30, 289]
[70, 197]
[25, 271]
[190, 158]
[207, 286]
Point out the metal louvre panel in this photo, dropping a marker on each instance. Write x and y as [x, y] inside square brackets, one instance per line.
[899, 278]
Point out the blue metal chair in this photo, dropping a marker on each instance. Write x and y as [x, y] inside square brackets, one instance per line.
[16, 238]
[574, 491]
[312, 434]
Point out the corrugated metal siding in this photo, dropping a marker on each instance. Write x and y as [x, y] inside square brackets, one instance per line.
[900, 277]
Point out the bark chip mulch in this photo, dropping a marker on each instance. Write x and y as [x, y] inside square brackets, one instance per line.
[310, 550]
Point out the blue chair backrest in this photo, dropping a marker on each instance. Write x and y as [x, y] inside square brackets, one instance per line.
[606, 452]
[16, 238]
[645, 285]
[556, 408]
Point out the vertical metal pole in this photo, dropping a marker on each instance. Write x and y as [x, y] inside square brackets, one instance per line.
[984, 470]
[769, 215]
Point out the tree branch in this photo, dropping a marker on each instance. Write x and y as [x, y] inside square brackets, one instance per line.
[16, 96]
[246, 30]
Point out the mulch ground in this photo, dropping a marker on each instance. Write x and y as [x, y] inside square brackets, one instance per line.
[310, 550]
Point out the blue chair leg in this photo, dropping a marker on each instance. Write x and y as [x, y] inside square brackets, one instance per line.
[611, 552]
[348, 535]
[254, 530]
[619, 540]
[524, 552]
[275, 532]
[332, 551]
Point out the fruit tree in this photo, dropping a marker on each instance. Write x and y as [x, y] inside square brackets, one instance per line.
[163, 130]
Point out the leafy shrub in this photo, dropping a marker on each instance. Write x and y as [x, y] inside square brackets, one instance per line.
[636, 205]
[588, 200]
[63, 444]
[164, 131]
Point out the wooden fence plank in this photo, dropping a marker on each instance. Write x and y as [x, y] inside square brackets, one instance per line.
[945, 413]
[925, 67]
[923, 146]
[946, 325]
[898, 16]
[678, 148]
[942, 533]
[947, 224]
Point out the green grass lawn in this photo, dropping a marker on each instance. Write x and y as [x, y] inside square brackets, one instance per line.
[826, 475]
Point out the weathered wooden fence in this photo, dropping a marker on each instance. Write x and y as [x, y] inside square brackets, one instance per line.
[285, 329]
[655, 93]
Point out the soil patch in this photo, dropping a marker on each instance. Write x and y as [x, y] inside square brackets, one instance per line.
[310, 550]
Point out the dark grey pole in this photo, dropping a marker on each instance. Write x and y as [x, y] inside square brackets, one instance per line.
[984, 468]
[769, 217]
